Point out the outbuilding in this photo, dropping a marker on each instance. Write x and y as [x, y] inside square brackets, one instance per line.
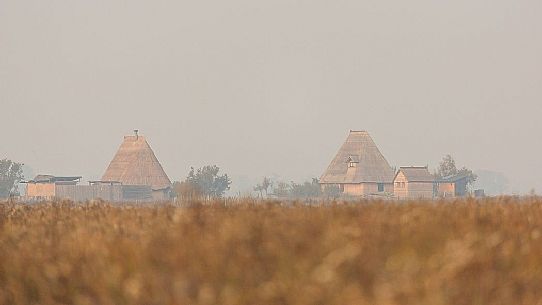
[413, 182]
[453, 186]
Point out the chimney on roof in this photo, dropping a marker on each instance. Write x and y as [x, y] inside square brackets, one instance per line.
[136, 131]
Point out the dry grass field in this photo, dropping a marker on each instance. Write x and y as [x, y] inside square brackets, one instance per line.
[464, 252]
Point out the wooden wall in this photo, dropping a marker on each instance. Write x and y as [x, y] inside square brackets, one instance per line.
[107, 192]
[420, 190]
[446, 189]
[367, 188]
[161, 195]
[400, 186]
[354, 189]
[41, 190]
[403, 189]
[89, 192]
[114, 193]
[137, 193]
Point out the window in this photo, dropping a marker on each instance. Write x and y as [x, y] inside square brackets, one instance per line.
[352, 161]
[380, 187]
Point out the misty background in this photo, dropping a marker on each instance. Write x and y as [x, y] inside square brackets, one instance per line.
[273, 87]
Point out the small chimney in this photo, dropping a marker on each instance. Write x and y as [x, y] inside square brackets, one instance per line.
[136, 131]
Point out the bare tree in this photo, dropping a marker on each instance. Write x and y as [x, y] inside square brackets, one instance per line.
[264, 186]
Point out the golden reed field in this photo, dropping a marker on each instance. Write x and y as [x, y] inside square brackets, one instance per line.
[462, 252]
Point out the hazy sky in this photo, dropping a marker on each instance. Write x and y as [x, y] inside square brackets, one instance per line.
[272, 87]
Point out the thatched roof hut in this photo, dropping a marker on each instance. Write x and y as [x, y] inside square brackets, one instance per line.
[136, 164]
[359, 152]
[359, 167]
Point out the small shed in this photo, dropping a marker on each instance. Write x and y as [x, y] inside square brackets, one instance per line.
[452, 186]
[413, 182]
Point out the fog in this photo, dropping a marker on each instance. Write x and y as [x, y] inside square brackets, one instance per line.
[272, 87]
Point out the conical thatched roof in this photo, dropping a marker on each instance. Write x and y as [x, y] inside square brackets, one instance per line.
[358, 160]
[136, 164]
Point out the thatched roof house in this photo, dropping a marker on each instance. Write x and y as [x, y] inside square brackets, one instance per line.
[136, 164]
[359, 168]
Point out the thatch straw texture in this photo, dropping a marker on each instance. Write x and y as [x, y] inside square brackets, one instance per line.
[136, 164]
[371, 166]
